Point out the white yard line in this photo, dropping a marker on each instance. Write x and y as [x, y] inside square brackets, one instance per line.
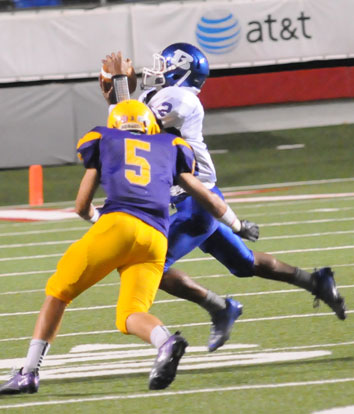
[288, 184]
[186, 325]
[288, 212]
[254, 205]
[56, 230]
[103, 307]
[34, 273]
[163, 394]
[287, 197]
[196, 259]
[40, 272]
[287, 236]
[38, 256]
[46, 243]
[70, 203]
[103, 285]
[295, 236]
[85, 228]
[288, 223]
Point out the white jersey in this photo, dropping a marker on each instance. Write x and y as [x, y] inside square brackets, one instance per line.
[179, 107]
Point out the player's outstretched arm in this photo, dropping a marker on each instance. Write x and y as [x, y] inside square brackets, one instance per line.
[218, 208]
[83, 204]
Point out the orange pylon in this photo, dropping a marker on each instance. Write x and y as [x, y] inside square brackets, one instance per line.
[35, 185]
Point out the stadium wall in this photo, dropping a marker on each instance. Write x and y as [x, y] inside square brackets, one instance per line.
[49, 94]
[279, 87]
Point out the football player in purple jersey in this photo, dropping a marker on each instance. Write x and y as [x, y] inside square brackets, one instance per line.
[136, 166]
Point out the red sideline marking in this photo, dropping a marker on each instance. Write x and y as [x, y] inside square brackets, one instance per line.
[263, 190]
[288, 197]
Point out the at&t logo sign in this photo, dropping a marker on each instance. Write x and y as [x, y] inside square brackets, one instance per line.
[218, 32]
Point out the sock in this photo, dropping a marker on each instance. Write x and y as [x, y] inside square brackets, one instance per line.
[36, 352]
[213, 302]
[159, 335]
[304, 280]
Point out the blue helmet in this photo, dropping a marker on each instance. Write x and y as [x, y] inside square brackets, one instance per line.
[180, 64]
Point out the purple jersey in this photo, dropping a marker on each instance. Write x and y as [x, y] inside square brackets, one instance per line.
[137, 170]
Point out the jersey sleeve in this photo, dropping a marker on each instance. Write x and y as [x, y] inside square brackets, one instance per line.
[88, 149]
[185, 159]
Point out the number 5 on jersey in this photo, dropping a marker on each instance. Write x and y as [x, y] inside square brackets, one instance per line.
[143, 175]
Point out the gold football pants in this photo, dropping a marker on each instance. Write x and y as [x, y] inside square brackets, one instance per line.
[116, 241]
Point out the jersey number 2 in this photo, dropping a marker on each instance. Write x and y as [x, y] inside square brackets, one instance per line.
[143, 175]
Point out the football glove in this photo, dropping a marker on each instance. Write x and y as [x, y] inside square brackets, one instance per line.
[249, 230]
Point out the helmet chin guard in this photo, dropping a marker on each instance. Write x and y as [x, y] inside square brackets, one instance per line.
[154, 77]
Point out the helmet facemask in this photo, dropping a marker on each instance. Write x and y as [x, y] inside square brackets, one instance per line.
[154, 77]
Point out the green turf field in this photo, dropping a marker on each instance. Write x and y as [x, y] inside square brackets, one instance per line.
[251, 158]
[284, 356]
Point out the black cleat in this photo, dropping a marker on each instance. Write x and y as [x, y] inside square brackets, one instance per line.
[165, 366]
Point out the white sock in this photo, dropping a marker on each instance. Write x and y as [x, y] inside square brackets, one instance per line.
[159, 335]
[37, 350]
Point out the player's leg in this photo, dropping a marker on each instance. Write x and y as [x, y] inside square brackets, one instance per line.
[230, 250]
[139, 284]
[85, 262]
[320, 283]
[48, 321]
[26, 380]
[190, 226]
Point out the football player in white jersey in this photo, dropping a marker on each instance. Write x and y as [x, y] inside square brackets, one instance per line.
[173, 83]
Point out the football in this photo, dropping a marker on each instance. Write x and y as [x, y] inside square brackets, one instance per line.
[105, 78]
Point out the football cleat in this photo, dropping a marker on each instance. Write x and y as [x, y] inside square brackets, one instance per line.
[21, 383]
[325, 289]
[222, 323]
[165, 366]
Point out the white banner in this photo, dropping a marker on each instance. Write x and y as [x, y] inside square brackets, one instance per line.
[240, 33]
[58, 44]
[246, 33]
